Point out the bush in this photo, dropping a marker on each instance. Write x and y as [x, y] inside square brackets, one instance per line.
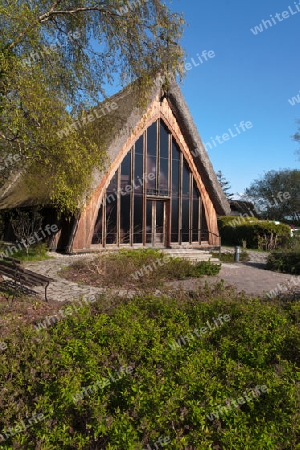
[35, 252]
[145, 268]
[287, 262]
[260, 234]
[172, 388]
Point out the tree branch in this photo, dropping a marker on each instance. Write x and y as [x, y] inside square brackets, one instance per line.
[52, 13]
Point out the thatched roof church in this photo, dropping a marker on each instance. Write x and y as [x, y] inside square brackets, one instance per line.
[160, 189]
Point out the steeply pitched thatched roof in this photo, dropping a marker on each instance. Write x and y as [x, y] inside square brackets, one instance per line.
[123, 121]
[194, 142]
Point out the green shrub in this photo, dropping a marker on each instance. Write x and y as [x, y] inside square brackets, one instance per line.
[170, 392]
[144, 268]
[36, 252]
[260, 234]
[287, 262]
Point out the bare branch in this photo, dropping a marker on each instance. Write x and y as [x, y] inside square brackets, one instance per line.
[52, 13]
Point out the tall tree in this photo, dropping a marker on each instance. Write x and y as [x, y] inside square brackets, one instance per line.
[277, 194]
[225, 185]
[57, 57]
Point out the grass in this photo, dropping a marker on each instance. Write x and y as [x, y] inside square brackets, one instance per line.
[229, 257]
[36, 252]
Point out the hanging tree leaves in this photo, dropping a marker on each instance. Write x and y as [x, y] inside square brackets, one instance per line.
[57, 57]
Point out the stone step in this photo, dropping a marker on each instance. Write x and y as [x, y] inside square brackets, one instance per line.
[193, 255]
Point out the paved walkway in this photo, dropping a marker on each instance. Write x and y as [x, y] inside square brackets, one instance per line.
[250, 277]
[62, 289]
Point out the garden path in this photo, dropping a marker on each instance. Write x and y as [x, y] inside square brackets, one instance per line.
[250, 277]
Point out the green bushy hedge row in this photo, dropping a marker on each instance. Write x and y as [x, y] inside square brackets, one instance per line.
[288, 262]
[170, 392]
[260, 234]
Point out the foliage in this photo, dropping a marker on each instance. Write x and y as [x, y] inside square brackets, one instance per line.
[268, 194]
[170, 392]
[225, 185]
[57, 59]
[143, 268]
[287, 259]
[229, 257]
[260, 234]
[287, 262]
[25, 224]
[36, 252]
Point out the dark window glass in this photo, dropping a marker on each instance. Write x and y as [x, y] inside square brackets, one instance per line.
[185, 180]
[175, 150]
[164, 160]
[139, 145]
[125, 219]
[196, 196]
[151, 140]
[125, 199]
[138, 219]
[149, 222]
[151, 169]
[175, 177]
[164, 141]
[111, 211]
[174, 221]
[185, 202]
[151, 158]
[204, 229]
[97, 236]
[138, 165]
[126, 171]
[185, 220]
[138, 193]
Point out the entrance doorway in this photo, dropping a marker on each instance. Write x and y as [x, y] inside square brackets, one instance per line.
[156, 223]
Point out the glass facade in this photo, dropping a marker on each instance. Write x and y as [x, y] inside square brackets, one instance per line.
[152, 198]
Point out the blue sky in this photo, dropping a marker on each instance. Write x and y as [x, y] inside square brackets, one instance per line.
[250, 78]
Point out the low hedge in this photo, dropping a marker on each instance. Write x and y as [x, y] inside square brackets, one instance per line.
[288, 262]
[261, 234]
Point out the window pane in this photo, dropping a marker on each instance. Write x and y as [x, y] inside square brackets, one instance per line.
[139, 145]
[151, 157]
[149, 222]
[164, 160]
[174, 222]
[175, 150]
[138, 193]
[125, 219]
[185, 180]
[175, 192]
[111, 211]
[97, 236]
[151, 140]
[138, 219]
[185, 202]
[204, 229]
[175, 177]
[125, 199]
[185, 220]
[196, 196]
[126, 171]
